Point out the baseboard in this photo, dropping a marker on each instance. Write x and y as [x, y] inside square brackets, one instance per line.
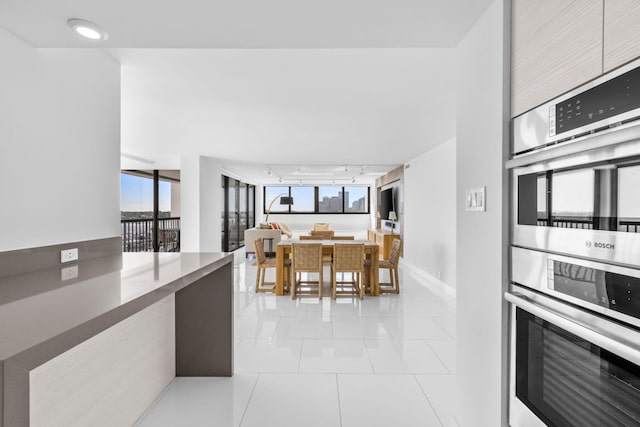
[430, 281]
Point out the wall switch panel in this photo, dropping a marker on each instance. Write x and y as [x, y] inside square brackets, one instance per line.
[475, 200]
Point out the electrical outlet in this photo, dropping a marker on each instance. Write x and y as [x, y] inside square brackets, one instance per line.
[439, 274]
[69, 273]
[69, 255]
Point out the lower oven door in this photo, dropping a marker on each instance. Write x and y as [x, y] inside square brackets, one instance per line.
[569, 367]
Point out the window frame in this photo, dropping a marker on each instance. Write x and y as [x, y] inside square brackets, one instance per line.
[316, 192]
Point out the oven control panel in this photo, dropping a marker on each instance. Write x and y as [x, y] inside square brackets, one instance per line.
[606, 289]
[613, 97]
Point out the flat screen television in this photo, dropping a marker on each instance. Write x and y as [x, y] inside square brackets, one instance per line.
[386, 203]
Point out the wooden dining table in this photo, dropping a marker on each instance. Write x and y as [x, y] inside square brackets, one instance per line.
[371, 249]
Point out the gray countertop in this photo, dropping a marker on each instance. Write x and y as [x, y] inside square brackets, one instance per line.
[43, 313]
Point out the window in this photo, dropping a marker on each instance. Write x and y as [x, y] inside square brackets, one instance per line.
[147, 223]
[271, 196]
[238, 213]
[313, 200]
[329, 199]
[355, 199]
[304, 199]
[136, 196]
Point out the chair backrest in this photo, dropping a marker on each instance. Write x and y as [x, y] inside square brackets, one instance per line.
[394, 256]
[322, 234]
[313, 237]
[342, 237]
[258, 246]
[348, 257]
[306, 256]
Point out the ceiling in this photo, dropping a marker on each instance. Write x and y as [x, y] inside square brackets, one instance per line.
[355, 107]
[306, 88]
[253, 24]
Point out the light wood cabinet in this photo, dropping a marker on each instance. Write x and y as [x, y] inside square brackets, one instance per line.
[384, 239]
[555, 46]
[621, 32]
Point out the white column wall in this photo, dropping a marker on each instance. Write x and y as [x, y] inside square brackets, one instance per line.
[200, 204]
[482, 138]
[175, 199]
[430, 212]
[59, 145]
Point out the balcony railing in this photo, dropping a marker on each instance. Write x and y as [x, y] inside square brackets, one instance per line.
[137, 235]
[567, 222]
[628, 226]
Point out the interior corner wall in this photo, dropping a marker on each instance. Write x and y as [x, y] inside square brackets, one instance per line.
[59, 145]
[200, 204]
[175, 199]
[430, 212]
[482, 141]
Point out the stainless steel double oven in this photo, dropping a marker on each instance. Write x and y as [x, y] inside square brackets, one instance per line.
[574, 291]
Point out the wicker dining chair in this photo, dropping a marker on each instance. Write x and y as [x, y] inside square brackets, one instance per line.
[306, 258]
[326, 258]
[393, 285]
[348, 258]
[263, 263]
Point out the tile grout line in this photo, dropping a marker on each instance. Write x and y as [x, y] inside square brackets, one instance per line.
[386, 325]
[246, 408]
[438, 357]
[444, 330]
[424, 393]
[364, 343]
[300, 355]
[338, 396]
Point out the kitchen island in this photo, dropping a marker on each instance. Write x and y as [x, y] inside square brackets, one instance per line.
[95, 342]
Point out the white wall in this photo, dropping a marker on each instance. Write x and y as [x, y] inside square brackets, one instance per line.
[175, 199]
[200, 204]
[481, 133]
[430, 212]
[59, 145]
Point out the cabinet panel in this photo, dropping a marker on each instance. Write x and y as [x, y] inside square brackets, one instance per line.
[111, 378]
[555, 46]
[621, 32]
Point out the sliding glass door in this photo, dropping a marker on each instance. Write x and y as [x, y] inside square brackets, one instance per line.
[238, 214]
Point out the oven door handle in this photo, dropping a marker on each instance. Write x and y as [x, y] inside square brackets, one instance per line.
[610, 336]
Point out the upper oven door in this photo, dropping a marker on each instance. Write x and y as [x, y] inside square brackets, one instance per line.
[585, 204]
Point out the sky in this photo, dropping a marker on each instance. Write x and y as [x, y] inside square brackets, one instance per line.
[136, 194]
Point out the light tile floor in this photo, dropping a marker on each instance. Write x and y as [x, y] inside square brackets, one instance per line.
[385, 361]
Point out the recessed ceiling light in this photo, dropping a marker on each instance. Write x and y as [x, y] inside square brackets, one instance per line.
[87, 29]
